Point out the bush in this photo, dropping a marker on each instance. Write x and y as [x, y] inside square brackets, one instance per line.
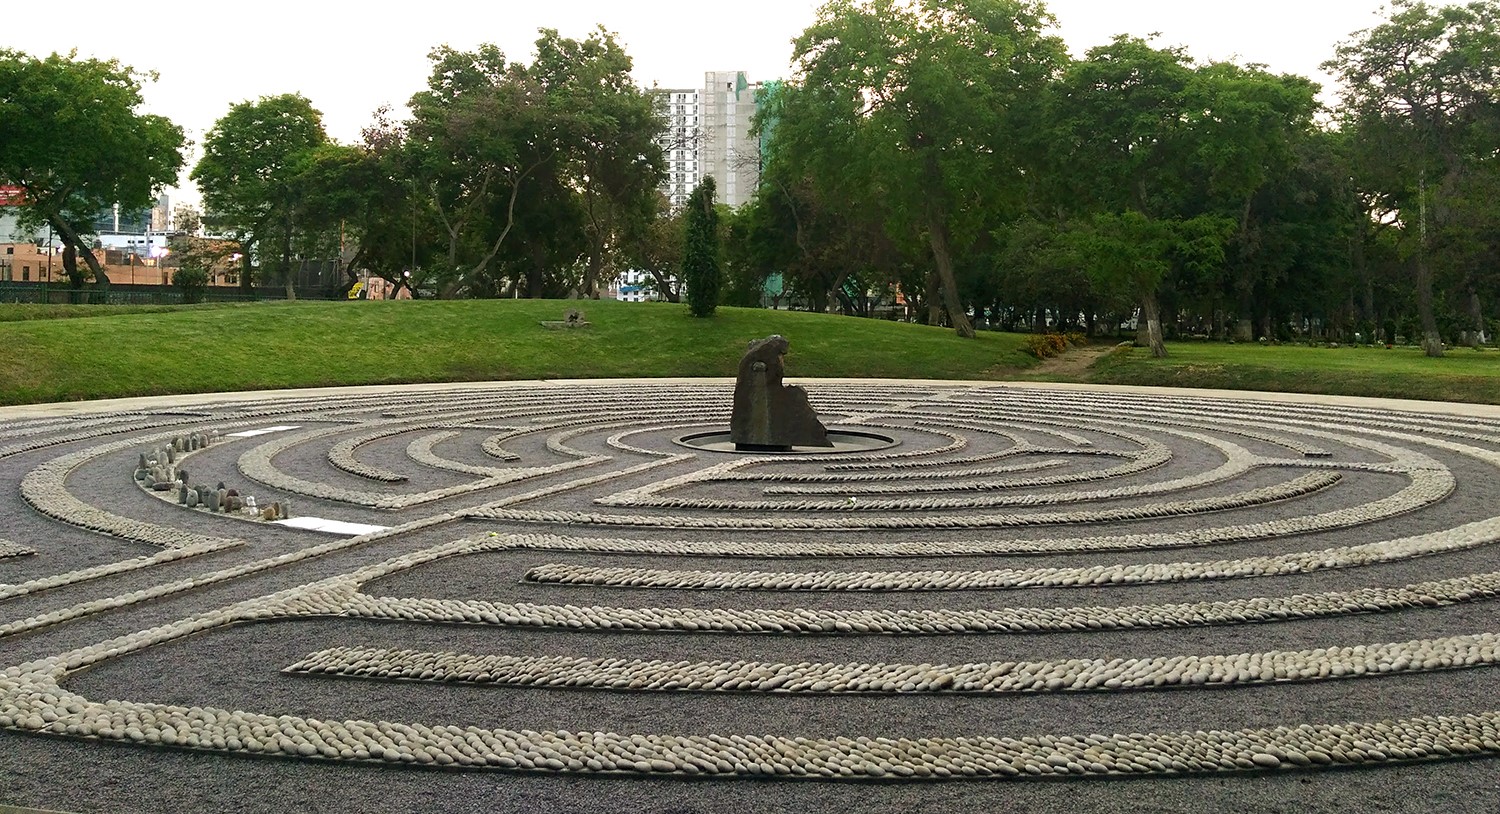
[192, 283]
[1045, 346]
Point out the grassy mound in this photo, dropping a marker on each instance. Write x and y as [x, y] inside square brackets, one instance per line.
[1462, 374]
[193, 349]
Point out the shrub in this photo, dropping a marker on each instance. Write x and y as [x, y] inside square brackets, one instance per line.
[700, 251]
[1045, 346]
[192, 283]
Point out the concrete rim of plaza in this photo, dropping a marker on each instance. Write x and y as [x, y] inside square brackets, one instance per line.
[71, 408]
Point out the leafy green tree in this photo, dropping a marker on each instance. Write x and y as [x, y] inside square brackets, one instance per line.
[1419, 94]
[657, 248]
[915, 107]
[701, 275]
[252, 158]
[611, 161]
[1153, 153]
[74, 142]
[478, 134]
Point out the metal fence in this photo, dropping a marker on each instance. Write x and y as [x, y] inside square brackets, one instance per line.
[52, 294]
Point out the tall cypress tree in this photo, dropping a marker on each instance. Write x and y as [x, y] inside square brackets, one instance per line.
[700, 254]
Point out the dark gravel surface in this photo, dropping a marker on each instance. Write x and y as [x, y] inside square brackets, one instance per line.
[240, 667]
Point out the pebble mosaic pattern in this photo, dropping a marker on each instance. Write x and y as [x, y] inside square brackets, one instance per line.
[559, 530]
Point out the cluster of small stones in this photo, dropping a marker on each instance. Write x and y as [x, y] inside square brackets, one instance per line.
[1297, 487]
[161, 590]
[339, 596]
[1187, 409]
[341, 456]
[257, 465]
[103, 570]
[1223, 425]
[44, 489]
[1238, 461]
[985, 678]
[927, 622]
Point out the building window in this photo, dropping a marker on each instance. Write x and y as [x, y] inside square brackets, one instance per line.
[26, 274]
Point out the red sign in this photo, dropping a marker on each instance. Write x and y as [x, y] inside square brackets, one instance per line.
[12, 196]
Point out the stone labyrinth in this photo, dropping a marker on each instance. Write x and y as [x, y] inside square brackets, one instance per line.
[1031, 584]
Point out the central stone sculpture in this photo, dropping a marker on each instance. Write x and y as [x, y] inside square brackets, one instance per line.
[769, 415]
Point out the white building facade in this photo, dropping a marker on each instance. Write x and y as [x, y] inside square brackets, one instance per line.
[708, 133]
[681, 142]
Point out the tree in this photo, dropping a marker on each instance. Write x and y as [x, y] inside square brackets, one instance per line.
[700, 250]
[75, 144]
[477, 135]
[1420, 90]
[657, 248]
[611, 161]
[916, 107]
[251, 159]
[1151, 153]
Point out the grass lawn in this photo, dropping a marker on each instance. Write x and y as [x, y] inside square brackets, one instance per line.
[1462, 374]
[64, 352]
[105, 352]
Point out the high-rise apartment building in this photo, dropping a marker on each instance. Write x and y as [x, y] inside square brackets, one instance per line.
[708, 133]
[681, 142]
[730, 153]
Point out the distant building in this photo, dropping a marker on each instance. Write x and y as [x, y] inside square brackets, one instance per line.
[635, 286]
[708, 133]
[680, 142]
[142, 232]
[27, 262]
[731, 154]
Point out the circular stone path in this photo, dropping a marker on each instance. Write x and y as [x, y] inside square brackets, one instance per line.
[1038, 593]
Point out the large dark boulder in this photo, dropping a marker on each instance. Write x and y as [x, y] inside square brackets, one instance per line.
[769, 415]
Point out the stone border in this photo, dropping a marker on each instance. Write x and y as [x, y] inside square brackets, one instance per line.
[983, 678]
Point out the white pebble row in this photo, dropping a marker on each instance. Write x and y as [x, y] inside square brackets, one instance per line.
[986, 678]
[1471, 535]
[31, 701]
[12, 549]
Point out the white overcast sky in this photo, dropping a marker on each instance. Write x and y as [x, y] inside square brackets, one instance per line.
[351, 57]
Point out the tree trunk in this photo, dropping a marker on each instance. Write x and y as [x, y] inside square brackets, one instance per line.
[1476, 311]
[1151, 310]
[247, 285]
[1432, 341]
[71, 238]
[286, 263]
[942, 256]
[70, 266]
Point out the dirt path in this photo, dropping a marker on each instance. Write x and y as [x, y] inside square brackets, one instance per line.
[1073, 363]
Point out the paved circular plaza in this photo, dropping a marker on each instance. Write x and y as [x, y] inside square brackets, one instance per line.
[531, 597]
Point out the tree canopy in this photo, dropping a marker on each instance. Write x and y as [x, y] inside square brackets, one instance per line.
[76, 144]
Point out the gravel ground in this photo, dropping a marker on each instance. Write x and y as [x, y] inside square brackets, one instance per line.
[240, 666]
